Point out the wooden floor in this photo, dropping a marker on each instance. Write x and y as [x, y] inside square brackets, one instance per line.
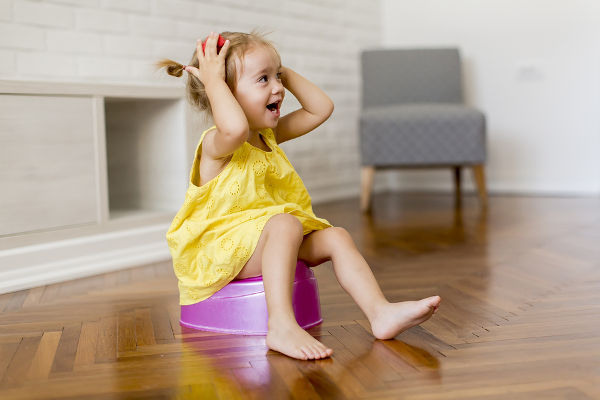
[520, 317]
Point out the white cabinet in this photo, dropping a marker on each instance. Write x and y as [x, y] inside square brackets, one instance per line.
[46, 177]
[90, 177]
[144, 143]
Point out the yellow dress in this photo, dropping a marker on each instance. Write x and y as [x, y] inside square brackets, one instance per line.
[217, 229]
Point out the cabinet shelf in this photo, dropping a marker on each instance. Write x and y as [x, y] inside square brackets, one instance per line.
[91, 176]
[145, 139]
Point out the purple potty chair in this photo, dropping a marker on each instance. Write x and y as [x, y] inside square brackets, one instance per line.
[240, 307]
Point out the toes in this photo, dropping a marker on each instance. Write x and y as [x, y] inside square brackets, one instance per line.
[304, 354]
[309, 352]
[433, 301]
[324, 351]
[316, 351]
[320, 351]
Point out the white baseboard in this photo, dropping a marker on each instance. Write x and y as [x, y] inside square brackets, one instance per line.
[36, 265]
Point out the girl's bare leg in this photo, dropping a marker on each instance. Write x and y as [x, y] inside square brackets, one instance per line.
[355, 276]
[275, 257]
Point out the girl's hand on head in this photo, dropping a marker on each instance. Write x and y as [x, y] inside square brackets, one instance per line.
[211, 66]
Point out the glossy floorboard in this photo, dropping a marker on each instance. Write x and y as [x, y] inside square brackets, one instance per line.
[520, 317]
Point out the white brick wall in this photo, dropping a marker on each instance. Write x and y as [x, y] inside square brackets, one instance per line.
[116, 41]
[43, 14]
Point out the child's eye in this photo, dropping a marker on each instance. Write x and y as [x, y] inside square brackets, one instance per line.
[279, 75]
[261, 78]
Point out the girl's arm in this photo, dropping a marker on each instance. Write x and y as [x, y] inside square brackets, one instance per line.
[316, 107]
[231, 122]
[227, 112]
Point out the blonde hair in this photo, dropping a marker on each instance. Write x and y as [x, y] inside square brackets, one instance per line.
[239, 44]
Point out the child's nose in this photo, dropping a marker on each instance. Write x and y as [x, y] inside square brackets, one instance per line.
[277, 87]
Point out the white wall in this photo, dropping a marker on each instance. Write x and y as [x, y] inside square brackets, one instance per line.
[534, 68]
[112, 41]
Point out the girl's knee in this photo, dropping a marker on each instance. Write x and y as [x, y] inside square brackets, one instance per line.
[285, 226]
[339, 236]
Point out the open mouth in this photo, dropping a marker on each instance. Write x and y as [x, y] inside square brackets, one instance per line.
[274, 107]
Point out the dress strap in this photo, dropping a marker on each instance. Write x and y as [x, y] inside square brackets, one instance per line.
[204, 133]
[202, 138]
[269, 134]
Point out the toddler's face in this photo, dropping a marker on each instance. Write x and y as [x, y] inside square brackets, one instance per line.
[259, 89]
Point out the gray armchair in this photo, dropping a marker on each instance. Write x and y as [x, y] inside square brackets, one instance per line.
[413, 115]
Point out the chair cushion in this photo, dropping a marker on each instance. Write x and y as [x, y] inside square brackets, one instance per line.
[422, 134]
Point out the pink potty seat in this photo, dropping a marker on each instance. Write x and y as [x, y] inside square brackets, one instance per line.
[240, 307]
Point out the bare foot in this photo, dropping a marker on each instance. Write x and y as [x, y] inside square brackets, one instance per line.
[290, 339]
[393, 318]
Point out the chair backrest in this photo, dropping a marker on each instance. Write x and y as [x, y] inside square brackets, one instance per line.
[398, 76]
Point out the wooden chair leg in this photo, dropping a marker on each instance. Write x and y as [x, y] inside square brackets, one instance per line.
[479, 176]
[366, 185]
[457, 183]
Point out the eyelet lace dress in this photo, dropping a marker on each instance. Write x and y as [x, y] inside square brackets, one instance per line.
[217, 229]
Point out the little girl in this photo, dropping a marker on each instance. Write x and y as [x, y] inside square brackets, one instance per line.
[247, 212]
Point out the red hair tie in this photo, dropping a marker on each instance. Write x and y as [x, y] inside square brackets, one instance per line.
[220, 43]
